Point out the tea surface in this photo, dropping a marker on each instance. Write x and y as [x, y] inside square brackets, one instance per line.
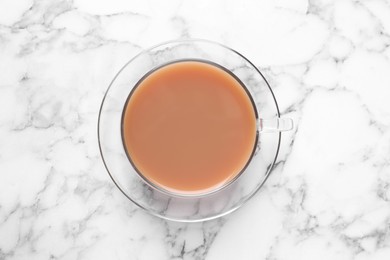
[189, 127]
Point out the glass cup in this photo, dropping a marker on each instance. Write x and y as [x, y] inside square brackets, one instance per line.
[190, 207]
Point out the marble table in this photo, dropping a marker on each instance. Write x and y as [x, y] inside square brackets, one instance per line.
[328, 63]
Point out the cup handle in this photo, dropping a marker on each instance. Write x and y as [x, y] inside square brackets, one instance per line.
[275, 125]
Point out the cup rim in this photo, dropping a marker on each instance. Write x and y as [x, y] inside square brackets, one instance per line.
[195, 193]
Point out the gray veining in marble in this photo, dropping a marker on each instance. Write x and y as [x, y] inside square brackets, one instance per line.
[328, 63]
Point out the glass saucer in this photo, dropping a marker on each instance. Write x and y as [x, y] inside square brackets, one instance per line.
[171, 206]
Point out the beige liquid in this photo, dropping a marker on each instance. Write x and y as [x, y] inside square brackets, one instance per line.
[189, 127]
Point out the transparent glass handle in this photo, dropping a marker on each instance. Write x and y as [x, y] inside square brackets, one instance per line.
[275, 125]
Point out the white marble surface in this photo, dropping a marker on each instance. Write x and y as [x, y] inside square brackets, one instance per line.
[328, 62]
